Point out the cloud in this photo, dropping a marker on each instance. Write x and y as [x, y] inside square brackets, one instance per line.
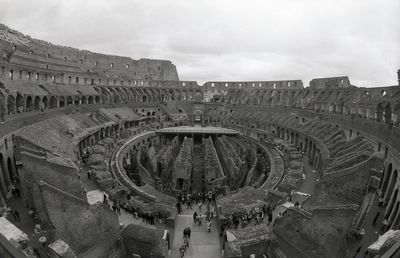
[228, 39]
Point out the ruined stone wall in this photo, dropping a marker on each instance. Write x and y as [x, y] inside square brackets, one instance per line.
[144, 174]
[81, 225]
[166, 156]
[229, 161]
[182, 168]
[212, 165]
[23, 50]
[51, 171]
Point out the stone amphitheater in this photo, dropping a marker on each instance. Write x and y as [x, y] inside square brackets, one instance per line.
[102, 156]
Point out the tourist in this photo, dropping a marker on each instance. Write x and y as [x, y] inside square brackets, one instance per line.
[189, 204]
[186, 243]
[195, 217]
[199, 205]
[179, 207]
[209, 224]
[199, 218]
[89, 174]
[212, 210]
[189, 231]
[182, 251]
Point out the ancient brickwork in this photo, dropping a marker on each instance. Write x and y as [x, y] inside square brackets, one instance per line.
[182, 168]
[215, 176]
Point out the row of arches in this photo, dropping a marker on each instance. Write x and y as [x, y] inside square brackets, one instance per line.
[20, 103]
[8, 173]
[389, 196]
[347, 102]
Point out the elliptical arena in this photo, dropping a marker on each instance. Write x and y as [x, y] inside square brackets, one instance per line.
[102, 156]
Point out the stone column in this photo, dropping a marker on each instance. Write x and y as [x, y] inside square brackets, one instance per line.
[395, 223]
[391, 203]
[393, 213]
[391, 181]
[3, 186]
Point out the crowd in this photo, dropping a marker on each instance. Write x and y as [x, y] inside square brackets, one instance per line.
[255, 215]
[186, 237]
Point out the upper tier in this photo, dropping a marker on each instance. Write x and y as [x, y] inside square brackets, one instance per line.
[23, 51]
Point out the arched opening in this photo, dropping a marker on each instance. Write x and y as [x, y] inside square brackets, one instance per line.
[29, 103]
[76, 100]
[97, 99]
[84, 100]
[53, 102]
[70, 101]
[396, 114]
[388, 114]
[20, 103]
[179, 184]
[144, 98]
[379, 112]
[61, 101]
[90, 100]
[45, 102]
[37, 103]
[10, 104]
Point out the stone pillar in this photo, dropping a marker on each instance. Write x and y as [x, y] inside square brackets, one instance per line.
[385, 177]
[391, 203]
[3, 185]
[395, 223]
[391, 181]
[393, 213]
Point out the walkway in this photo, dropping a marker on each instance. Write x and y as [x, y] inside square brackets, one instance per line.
[202, 244]
[308, 184]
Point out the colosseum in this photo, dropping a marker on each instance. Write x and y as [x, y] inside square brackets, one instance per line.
[107, 156]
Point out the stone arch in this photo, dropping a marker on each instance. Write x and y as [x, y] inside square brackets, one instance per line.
[388, 114]
[97, 99]
[20, 101]
[77, 100]
[61, 101]
[36, 103]
[379, 112]
[396, 114]
[90, 100]
[53, 102]
[29, 103]
[45, 102]
[84, 100]
[70, 101]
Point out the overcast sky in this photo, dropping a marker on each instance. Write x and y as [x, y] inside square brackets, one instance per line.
[212, 40]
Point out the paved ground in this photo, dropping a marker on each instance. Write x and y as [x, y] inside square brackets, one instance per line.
[202, 243]
[308, 184]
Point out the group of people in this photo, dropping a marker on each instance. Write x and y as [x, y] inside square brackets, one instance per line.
[255, 215]
[189, 199]
[186, 237]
